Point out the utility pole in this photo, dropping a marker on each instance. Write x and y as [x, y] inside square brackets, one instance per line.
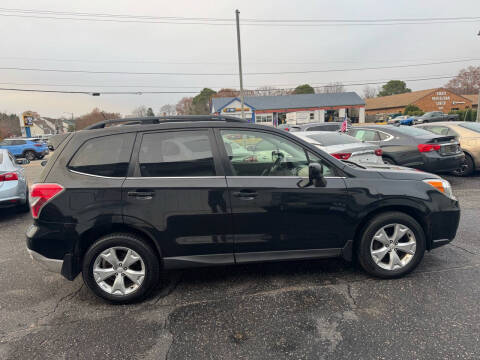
[242, 98]
[478, 105]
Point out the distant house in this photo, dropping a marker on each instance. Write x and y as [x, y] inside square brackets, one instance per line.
[439, 99]
[293, 109]
[47, 126]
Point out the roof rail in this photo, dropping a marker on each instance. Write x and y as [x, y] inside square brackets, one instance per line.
[163, 119]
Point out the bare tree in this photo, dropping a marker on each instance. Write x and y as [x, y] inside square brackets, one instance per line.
[332, 88]
[140, 111]
[369, 92]
[93, 117]
[184, 106]
[168, 109]
[466, 82]
[272, 91]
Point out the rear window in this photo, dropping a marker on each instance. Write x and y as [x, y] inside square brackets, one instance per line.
[104, 156]
[1, 158]
[474, 126]
[176, 154]
[412, 131]
[333, 139]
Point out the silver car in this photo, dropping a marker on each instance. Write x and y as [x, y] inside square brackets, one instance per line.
[343, 146]
[13, 185]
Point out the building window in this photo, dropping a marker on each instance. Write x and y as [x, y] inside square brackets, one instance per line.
[264, 119]
[312, 116]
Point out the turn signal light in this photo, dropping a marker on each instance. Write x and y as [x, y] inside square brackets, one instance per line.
[8, 176]
[41, 194]
[428, 147]
[342, 156]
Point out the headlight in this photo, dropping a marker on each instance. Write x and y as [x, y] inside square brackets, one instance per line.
[441, 185]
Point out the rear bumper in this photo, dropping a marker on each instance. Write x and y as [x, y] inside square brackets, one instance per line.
[53, 265]
[436, 163]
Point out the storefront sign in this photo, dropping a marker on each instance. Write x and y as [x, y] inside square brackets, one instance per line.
[232, 110]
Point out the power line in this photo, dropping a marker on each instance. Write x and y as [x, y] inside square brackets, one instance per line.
[141, 92]
[176, 20]
[234, 74]
[200, 87]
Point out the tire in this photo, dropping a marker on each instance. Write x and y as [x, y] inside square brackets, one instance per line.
[40, 157]
[29, 155]
[384, 268]
[468, 168]
[25, 207]
[388, 160]
[132, 292]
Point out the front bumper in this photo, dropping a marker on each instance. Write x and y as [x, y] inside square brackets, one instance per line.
[53, 265]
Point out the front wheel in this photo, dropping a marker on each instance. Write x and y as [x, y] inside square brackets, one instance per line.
[121, 268]
[392, 245]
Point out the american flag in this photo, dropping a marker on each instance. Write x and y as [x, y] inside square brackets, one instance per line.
[344, 127]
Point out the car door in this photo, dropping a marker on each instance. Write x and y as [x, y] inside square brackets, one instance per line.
[177, 191]
[273, 216]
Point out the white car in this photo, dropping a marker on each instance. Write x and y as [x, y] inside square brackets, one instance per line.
[343, 146]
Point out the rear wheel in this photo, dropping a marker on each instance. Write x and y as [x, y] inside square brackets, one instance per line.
[121, 268]
[29, 155]
[40, 157]
[468, 167]
[388, 160]
[392, 245]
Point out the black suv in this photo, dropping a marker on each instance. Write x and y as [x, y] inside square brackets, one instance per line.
[122, 203]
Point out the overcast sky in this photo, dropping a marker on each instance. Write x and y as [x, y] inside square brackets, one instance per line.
[136, 47]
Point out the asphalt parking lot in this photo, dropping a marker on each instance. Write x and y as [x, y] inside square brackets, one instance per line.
[294, 310]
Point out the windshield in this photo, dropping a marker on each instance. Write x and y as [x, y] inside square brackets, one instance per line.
[474, 126]
[333, 138]
[408, 130]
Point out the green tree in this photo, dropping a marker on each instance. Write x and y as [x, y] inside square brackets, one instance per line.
[304, 89]
[412, 110]
[394, 87]
[150, 112]
[201, 102]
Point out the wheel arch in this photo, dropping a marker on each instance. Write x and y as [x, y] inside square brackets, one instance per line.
[412, 211]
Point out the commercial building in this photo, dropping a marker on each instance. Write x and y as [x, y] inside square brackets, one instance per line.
[439, 99]
[293, 109]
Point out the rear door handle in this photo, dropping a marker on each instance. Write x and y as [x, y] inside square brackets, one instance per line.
[143, 195]
[246, 194]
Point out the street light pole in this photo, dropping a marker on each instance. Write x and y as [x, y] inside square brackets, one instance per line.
[478, 102]
[242, 98]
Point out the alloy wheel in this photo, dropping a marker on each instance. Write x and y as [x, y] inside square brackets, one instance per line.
[393, 246]
[119, 270]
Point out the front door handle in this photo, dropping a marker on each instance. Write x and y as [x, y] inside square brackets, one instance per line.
[141, 195]
[246, 194]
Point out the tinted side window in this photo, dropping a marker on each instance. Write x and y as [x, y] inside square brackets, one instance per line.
[104, 156]
[383, 136]
[176, 154]
[367, 135]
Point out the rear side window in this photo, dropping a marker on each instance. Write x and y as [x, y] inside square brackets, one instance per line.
[176, 154]
[104, 156]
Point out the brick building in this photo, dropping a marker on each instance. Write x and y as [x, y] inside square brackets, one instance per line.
[439, 99]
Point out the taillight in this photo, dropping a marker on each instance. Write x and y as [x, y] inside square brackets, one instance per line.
[38, 145]
[378, 152]
[428, 147]
[287, 129]
[8, 176]
[342, 156]
[41, 194]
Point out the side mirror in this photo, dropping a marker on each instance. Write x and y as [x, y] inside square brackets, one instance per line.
[43, 163]
[315, 175]
[22, 161]
[277, 155]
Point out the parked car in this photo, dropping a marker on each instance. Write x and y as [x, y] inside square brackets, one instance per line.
[413, 147]
[381, 122]
[320, 126]
[343, 146]
[13, 185]
[29, 149]
[402, 120]
[468, 134]
[121, 204]
[434, 116]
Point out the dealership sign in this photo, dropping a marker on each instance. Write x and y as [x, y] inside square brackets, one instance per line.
[232, 110]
